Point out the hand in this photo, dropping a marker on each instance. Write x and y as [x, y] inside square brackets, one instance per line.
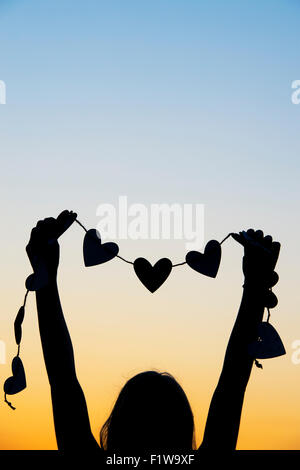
[43, 247]
[260, 257]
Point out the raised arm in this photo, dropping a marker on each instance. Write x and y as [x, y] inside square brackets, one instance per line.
[222, 426]
[72, 426]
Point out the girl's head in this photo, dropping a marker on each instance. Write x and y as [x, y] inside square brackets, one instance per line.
[152, 412]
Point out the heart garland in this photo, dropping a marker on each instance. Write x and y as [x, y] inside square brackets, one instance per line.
[152, 277]
[95, 252]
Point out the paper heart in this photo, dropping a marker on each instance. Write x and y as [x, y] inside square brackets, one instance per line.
[17, 382]
[268, 344]
[18, 324]
[206, 263]
[94, 252]
[152, 276]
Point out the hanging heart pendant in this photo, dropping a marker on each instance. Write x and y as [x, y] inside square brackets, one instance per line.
[268, 343]
[17, 382]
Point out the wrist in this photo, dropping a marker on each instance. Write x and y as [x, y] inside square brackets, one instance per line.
[48, 288]
[52, 278]
[47, 277]
[262, 293]
[258, 278]
[255, 282]
[256, 285]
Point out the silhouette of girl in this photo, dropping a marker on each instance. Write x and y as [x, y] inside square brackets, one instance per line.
[152, 412]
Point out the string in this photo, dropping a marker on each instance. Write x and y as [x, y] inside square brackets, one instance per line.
[178, 264]
[125, 260]
[18, 351]
[130, 262]
[224, 239]
[81, 225]
[25, 298]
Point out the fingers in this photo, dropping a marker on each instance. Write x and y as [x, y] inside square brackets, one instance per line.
[268, 240]
[49, 230]
[43, 225]
[244, 237]
[250, 238]
[66, 217]
[35, 236]
[259, 235]
[251, 232]
[44, 230]
[238, 238]
[64, 221]
[65, 213]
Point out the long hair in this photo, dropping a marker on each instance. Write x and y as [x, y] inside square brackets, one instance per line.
[152, 412]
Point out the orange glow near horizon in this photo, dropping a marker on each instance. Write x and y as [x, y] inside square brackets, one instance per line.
[164, 102]
[115, 338]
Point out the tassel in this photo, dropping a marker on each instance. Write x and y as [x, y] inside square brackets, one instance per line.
[258, 364]
[8, 402]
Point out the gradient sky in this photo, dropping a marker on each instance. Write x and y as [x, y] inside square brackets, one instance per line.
[163, 101]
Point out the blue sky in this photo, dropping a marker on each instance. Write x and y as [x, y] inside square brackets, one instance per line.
[106, 98]
[163, 101]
